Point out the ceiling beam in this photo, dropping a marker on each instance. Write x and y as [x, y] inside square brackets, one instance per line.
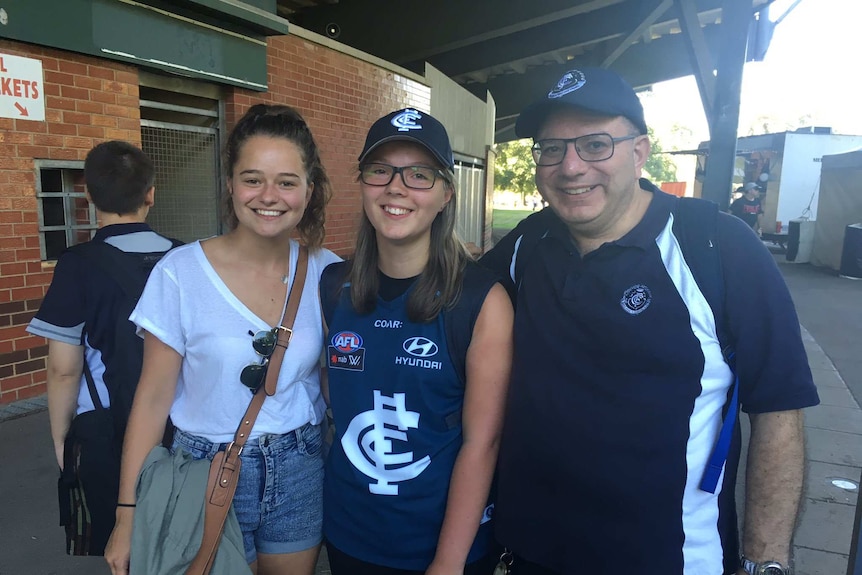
[660, 60]
[421, 29]
[635, 35]
[581, 32]
[506, 31]
[702, 62]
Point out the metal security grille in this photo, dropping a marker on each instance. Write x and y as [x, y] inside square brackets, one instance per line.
[470, 181]
[66, 217]
[180, 121]
[187, 179]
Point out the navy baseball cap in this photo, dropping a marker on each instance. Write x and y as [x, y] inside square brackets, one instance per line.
[597, 90]
[413, 126]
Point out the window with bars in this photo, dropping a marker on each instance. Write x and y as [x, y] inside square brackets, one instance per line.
[66, 217]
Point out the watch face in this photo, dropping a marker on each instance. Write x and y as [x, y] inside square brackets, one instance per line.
[771, 571]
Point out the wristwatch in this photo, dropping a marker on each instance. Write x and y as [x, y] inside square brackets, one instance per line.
[767, 568]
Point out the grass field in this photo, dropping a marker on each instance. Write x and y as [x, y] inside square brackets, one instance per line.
[508, 219]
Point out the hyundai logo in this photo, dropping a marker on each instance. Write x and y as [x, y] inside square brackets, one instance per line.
[420, 347]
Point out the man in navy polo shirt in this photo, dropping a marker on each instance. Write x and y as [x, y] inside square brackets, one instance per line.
[619, 382]
[79, 317]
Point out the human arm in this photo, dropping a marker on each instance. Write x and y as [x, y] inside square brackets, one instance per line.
[65, 366]
[775, 383]
[328, 292]
[150, 410]
[773, 485]
[324, 372]
[487, 369]
[759, 228]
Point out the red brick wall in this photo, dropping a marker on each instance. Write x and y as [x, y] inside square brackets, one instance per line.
[89, 100]
[340, 97]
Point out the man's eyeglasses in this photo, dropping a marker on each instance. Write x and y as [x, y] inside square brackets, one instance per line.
[264, 343]
[416, 177]
[590, 148]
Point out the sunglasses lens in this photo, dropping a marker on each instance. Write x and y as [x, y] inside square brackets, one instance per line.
[264, 342]
[252, 376]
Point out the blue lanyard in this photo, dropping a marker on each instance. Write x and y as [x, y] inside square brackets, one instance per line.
[722, 447]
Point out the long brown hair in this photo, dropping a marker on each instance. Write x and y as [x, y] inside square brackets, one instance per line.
[278, 121]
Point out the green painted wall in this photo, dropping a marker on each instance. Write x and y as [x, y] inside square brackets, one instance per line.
[225, 51]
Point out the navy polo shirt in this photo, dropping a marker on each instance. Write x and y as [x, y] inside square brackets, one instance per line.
[82, 303]
[618, 390]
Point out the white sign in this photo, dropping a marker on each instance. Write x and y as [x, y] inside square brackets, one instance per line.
[21, 88]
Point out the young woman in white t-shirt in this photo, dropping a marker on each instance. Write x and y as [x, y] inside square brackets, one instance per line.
[198, 315]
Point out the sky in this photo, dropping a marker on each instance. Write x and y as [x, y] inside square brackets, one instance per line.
[811, 68]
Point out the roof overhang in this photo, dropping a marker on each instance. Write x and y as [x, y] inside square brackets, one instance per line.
[517, 50]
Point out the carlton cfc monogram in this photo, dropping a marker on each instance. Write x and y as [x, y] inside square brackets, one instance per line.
[371, 450]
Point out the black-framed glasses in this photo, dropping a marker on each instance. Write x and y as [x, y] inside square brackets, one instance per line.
[416, 177]
[264, 343]
[590, 148]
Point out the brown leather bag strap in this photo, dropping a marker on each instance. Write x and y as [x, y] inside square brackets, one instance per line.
[225, 466]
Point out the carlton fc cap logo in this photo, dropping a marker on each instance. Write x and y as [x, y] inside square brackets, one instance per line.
[406, 120]
[636, 299]
[571, 81]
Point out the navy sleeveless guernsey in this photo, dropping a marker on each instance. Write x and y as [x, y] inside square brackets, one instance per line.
[396, 390]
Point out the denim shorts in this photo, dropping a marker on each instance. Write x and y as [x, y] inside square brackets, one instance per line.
[279, 497]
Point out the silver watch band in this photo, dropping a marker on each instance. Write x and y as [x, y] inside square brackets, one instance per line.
[767, 568]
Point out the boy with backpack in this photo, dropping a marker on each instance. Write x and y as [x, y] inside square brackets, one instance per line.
[94, 356]
[629, 359]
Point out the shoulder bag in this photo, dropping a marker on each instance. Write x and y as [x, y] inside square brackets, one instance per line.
[225, 466]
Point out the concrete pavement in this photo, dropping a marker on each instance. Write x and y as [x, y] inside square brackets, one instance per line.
[31, 543]
[831, 315]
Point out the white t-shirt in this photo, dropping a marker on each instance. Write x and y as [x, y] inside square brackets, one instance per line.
[188, 307]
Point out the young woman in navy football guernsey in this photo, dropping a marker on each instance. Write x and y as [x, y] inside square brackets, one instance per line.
[418, 354]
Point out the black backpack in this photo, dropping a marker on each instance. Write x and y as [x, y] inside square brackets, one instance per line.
[130, 270]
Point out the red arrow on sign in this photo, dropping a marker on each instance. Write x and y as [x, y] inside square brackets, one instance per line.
[21, 109]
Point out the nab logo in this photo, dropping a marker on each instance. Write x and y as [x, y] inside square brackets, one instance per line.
[347, 341]
[420, 347]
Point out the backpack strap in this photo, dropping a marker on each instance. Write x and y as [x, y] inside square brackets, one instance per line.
[91, 387]
[121, 268]
[112, 262]
[696, 228]
[531, 230]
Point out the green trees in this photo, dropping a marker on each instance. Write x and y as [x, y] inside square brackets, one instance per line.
[659, 166]
[513, 169]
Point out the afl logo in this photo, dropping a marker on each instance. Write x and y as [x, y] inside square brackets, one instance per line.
[420, 347]
[347, 341]
[571, 81]
[636, 299]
